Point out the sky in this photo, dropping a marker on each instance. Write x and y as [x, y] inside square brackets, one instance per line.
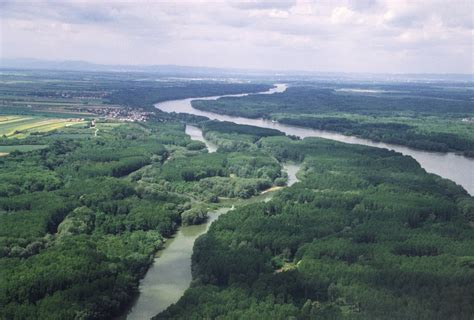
[375, 36]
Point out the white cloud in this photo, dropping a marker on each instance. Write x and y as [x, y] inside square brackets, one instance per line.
[344, 15]
[340, 35]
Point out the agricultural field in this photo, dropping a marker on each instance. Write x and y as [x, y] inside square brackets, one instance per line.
[22, 126]
[92, 94]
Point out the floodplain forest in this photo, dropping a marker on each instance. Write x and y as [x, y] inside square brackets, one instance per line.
[94, 180]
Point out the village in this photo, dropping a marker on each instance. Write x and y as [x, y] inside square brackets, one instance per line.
[120, 113]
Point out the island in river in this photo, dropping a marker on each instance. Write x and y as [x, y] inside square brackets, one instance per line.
[448, 165]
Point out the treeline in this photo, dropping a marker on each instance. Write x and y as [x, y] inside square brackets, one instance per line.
[319, 100]
[145, 94]
[229, 136]
[210, 176]
[394, 133]
[231, 127]
[431, 116]
[366, 234]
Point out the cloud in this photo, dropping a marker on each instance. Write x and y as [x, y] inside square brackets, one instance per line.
[344, 15]
[262, 4]
[340, 35]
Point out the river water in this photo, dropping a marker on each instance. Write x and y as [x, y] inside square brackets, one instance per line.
[291, 169]
[196, 134]
[447, 165]
[170, 274]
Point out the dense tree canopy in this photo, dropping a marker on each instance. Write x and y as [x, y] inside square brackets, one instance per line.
[422, 116]
[366, 234]
[81, 219]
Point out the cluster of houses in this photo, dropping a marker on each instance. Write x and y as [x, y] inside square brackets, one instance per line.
[121, 114]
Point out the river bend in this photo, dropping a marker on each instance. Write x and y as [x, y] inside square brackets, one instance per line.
[449, 165]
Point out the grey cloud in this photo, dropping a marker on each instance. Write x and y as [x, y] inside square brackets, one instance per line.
[58, 11]
[365, 35]
[262, 4]
[363, 5]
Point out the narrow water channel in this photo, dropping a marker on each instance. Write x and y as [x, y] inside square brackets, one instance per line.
[291, 170]
[196, 134]
[170, 274]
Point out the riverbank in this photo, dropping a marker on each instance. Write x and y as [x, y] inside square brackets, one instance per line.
[447, 165]
[428, 160]
[340, 244]
[170, 273]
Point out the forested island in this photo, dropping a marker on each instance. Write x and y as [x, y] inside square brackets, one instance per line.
[366, 234]
[94, 181]
[434, 117]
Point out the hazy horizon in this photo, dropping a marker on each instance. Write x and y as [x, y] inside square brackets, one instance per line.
[62, 65]
[350, 36]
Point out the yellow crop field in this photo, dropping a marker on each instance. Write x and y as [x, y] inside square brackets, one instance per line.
[8, 118]
[21, 127]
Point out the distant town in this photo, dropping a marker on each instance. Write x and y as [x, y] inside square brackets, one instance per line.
[120, 113]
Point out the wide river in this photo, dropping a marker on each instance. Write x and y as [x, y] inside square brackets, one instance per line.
[170, 274]
[447, 165]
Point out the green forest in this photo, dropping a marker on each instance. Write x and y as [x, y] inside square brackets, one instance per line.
[366, 234]
[95, 181]
[81, 218]
[426, 117]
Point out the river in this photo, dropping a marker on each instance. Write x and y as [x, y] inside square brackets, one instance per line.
[447, 165]
[196, 134]
[170, 274]
[291, 170]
